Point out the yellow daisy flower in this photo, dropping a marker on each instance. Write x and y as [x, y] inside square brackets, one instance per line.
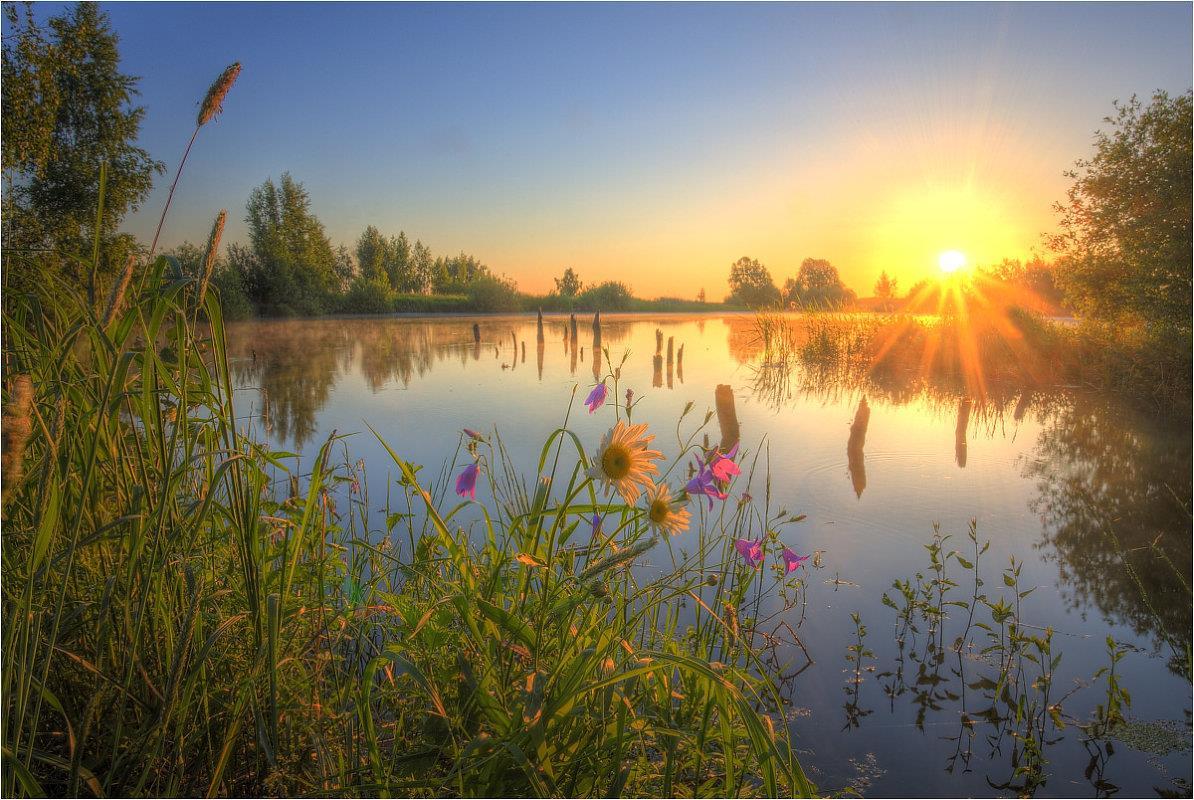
[663, 513]
[623, 460]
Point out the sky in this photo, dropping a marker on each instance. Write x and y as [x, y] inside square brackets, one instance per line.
[653, 144]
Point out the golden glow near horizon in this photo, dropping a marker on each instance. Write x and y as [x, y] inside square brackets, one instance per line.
[950, 261]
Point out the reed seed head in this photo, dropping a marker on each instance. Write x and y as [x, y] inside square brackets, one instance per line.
[18, 426]
[213, 102]
[116, 297]
[213, 249]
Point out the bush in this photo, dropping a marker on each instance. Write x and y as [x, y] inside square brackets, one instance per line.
[234, 300]
[608, 296]
[431, 303]
[491, 293]
[367, 297]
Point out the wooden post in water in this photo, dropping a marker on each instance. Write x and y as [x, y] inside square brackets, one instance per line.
[680, 363]
[476, 332]
[539, 357]
[572, 325]
[854, 457]
[658, 341]
[539, 327]
[671, 352]
[657, 371]
[964, 407]
[524, 352]
[727, 416]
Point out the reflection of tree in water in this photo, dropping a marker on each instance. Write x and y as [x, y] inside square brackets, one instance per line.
[294, 365]
[1114, 500]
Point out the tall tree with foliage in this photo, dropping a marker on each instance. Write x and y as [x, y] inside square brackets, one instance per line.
[751, 284]
[422, 267]
[373, 255]
[401, 275]
[817, 285]
[886, 287]
[568, 284]
[67, 109]
[1124, 237]
[293, 270]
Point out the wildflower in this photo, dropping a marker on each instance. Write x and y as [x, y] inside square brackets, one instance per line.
[663, 513]
[751, 551]
[597, 520]
[629, 397]
[703, 484]
[623, 460]
[596, 398]
[722, 465]
[474, 435]
[466, 482]
[792, 561]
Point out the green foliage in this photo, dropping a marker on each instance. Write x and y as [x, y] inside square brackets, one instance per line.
[455, 273]
[292, 270]
[817, 286]
[568, 285]
[431, 303]
[368, 297]
[491, 293]
[751, 284]
[1125, 239]
[608, 296]
[67, 109]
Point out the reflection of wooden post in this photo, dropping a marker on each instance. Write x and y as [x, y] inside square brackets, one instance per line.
[476, 332]
[680, 357]
[539, 357]
[514, 339]
[854, 455]
[1022, 405]
[539, 327]
[671, 350]
[657, 371]
[597, 324]
[524, 352]
[960, 431]
[572, 362]
[727, 417]
[572, 326]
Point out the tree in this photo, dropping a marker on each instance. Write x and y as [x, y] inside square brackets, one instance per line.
[402, 277]
[373, 255]
[422, 267]
[886, 288]
[66, 110]
[701, 295]
[751, 284]
[293, 269]
[345, 268]
[817, 285]
[569, 284]
[1124, 237]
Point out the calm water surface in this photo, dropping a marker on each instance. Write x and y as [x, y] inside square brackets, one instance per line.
[1072, 484]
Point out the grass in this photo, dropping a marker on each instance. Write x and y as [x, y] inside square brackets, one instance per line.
[183, 615]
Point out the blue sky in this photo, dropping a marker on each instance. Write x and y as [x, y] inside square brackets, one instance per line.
[650, 143]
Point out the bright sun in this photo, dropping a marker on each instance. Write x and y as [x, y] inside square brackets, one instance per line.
[951, 261]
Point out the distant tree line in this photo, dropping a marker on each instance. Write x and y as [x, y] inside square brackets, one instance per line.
[817, 285]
